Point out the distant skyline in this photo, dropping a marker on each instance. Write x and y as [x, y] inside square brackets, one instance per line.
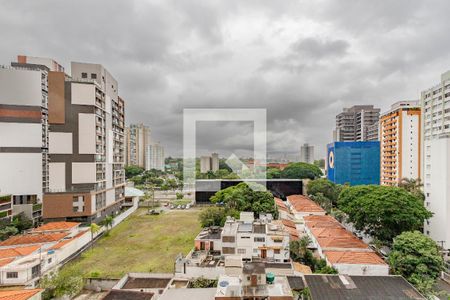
[301, 60]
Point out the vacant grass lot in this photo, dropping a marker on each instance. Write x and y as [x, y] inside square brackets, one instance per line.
[141, 243]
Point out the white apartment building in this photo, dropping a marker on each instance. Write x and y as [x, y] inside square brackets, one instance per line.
[137, 142]
[24, 132]
[263, 238]
[155, 157]
[436, 159]
[400, 142]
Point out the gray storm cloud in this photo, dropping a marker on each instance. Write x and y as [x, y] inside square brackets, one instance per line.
[303, 61]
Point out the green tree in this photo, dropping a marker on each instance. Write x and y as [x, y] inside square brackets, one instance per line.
[382, 212]
[202, 283]
[301, 170]
[326, 187]
[108, 221]
[323, 201]
[7, 231]
[413, 186]
[416, 257]
[94, 228]
[22, 222]
[247, 197]
[215, 216]
[63, 283]
[273, 173]
[131, 171]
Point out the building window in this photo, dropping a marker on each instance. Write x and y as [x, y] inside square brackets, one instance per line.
[83, 75]
[260, 239]
[78, 204]
[49, 261]
[276, 251]
[228, 239]
[228, 250]
[241, 251]
[245, 237]
[12, 275]
[93, 76]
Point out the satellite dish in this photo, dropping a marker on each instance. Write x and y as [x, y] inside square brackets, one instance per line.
[224, 283]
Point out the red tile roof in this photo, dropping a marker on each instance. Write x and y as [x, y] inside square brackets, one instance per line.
[18, 251]
[302, 203]
[5, 261]
[33, 238]
[288, 223]
[18, 294]
[354, 257]
[56, 226]
[66, 241]
[280, 204]
[321, 222]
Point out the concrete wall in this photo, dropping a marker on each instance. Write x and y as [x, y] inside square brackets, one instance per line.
[20, 87]
[362, 269]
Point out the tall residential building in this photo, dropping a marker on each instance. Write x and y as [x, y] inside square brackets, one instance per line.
[400, 142]
[214, 162]
[205, 164]
[155, 157]
[86, 169]
[357, 123]
[137, 142]
[436, 159]
[307, 153]
[354, 163]
[209, 163]
[26, 91]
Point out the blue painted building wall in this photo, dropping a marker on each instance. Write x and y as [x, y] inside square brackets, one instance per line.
[355, 163]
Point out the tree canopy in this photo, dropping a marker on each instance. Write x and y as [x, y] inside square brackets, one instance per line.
[131, 171]
[416, 257]
[246, 197]
[325, 187]
[301, 170]
[382, 211]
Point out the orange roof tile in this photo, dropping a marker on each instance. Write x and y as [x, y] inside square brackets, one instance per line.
[354, 257]
[33, 238]
[280, 204]
[18, 251]
[322, 222]
[341, 242]
[288, 223]
[56, 226]
[302, 268]
[66, 241]
[19, 294]
[302, 203]
[5, 261]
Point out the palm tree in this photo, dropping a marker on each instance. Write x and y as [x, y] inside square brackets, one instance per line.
[413, 186]
[303, 244]
[108, 222]
[94, 229]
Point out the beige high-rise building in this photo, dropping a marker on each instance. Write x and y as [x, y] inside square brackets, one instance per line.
[214, 162]
[137, 142]
[155, 157]
[205, 164]
[400, 142]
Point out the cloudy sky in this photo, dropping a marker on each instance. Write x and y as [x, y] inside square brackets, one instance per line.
[301, 60]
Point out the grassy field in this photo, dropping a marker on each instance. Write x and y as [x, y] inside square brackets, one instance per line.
[141, 243]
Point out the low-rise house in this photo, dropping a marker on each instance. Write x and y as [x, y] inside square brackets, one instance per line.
[132, 196]
[34, 294]
[341, 249]
[253, 283]
[25, 258]
[325, 287]
[302, 206]
[262, 239]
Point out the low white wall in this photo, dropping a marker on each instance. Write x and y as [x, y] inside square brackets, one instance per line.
[360, 269]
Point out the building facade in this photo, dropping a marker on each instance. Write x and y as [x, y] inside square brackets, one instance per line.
[400, 142]
[25, 92]
[307, 153]
[87, 177]
[137, 143]
[214, 162]
[155, 157]
[357, 123]
[209, 163]
[436, 159]
[354, 163]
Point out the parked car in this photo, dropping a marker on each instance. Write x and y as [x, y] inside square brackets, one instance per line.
[179, 206]
[188, 206]
[154, 212]
[172, 206]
